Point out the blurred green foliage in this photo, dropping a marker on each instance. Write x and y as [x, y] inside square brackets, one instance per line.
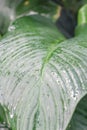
[40, 6]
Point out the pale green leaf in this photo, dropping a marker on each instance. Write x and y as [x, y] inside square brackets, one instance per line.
[42, 75]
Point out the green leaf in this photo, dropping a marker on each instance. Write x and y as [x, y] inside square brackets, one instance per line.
[42, 75]
[79, 119]
[40, 6]
[82, 16]
[2, 115]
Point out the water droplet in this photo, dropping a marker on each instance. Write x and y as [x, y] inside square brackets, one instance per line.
[11, 28]
[55, 75]
[77, 92]
[65, 107]
[12, 112]
[32, 13]
[11, 115]
[74, 97]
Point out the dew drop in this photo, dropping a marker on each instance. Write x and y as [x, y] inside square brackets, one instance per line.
[74, 97]
[65, 107]
[11, 116]
[11, 28]
[12, 112]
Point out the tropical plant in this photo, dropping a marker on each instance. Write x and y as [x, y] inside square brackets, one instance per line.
[43, 75]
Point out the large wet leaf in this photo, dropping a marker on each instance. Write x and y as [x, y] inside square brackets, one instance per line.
[42, 75]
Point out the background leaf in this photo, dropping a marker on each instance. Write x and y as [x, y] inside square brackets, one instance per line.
[79, 119]
[46, 7]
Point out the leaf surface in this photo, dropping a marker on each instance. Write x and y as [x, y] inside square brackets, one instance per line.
[42, 75]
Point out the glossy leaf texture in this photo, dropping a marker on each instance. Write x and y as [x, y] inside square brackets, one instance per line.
[43, 76]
